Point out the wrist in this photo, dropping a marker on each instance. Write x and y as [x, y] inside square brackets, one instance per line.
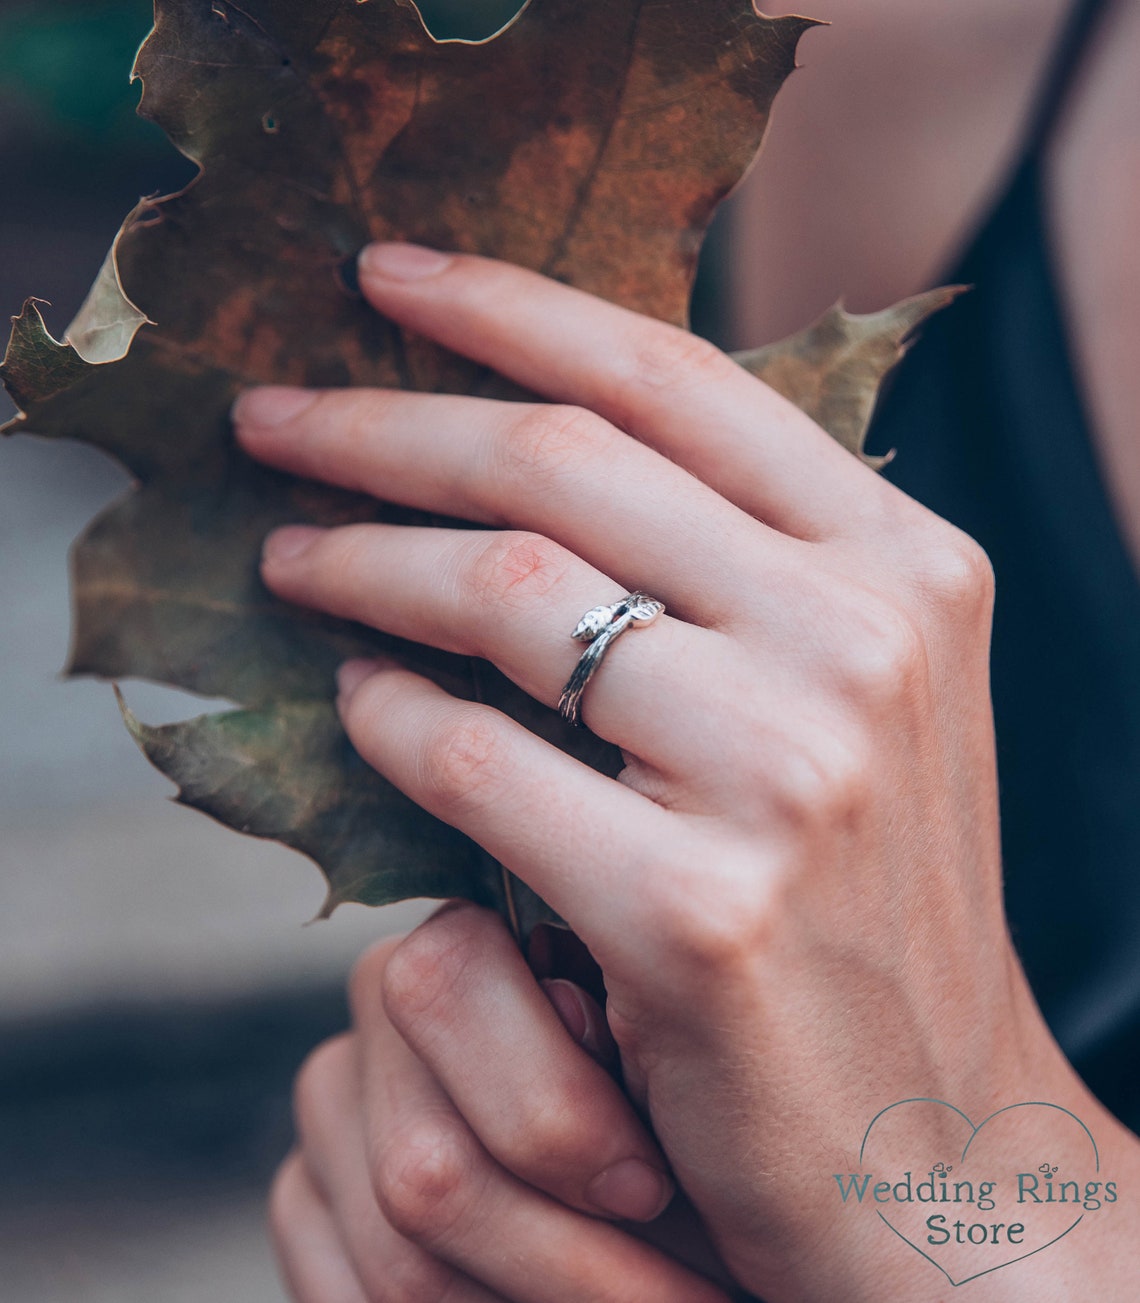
[1002, 1226]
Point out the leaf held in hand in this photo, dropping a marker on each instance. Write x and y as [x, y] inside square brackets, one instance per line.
[290, 773]
[589, 142]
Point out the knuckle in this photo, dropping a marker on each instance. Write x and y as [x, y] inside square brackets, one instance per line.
[823, 782]
[713, 924]
[414, 1277]
[427, 966]
[710, 938]
[513, 568]
[316, 1079]
[423, 1179]
[666, 357]
[461, 761]
[884, 653]
[958, 573]
[549, 442]
[554, 1133]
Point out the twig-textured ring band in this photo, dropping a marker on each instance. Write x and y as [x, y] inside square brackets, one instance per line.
[599, 627]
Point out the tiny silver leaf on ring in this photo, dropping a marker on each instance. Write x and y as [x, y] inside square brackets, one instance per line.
[594, 621]
[645, 610]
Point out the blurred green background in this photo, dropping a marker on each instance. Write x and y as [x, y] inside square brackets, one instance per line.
[62, 76]
[74, 157]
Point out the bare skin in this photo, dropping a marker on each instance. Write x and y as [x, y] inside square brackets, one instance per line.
[462, 1142]
[931, 117]
[932, 100]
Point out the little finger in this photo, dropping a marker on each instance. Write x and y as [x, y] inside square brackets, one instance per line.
[539, 812]
[313, 1261]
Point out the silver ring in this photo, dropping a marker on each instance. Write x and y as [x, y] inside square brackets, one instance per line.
[599, 627]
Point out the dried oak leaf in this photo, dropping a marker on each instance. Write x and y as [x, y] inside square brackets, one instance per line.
[590, 142]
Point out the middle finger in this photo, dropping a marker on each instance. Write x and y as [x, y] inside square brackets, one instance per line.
[562, 471]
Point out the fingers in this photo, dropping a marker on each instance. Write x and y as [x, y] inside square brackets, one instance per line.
[669, 389]
[422, 1210]
[312, 1258]
[513, 599]
[318, 1268]
[439, 1187]
[562, 471]
[329, 1115]
[576, 837]
[545, 1110]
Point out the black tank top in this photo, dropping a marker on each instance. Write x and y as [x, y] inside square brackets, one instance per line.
[987, 417]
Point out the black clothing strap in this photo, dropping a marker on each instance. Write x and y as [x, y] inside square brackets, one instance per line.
[987, 414]
[1065, 65]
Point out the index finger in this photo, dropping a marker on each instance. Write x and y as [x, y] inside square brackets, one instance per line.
[666, 387]
[459, 993]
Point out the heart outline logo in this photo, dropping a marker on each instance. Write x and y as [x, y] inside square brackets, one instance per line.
[974, 1130]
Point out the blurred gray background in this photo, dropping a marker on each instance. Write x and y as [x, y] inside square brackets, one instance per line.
[157, 986]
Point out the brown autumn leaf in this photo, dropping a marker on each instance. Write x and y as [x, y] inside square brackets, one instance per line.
[833, 369]
[590, 142]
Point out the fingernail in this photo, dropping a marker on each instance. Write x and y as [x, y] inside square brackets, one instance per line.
[402, 262]
[631, 1190]
[271, 405]
[570, 1007]
[351, 675]
[289, 543]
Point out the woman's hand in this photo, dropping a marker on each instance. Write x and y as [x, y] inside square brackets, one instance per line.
[486, 1166]
[793, 890]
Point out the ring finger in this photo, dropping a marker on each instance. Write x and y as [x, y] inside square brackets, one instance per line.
[514, 599]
